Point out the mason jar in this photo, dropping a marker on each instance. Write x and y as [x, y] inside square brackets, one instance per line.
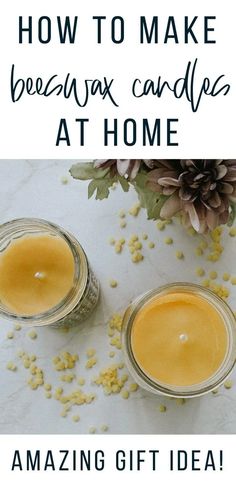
[83, 295]
[148, 381]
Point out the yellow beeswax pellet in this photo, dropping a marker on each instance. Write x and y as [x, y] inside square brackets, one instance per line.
[179, 254]
[168, 240]
[32, 334]
[151, 245]
[133, 387]
[226, 276]
[17, 327]
[200, 272]
[162, 408]
[92, 430]
[10, 335]
[113, 283]
[76, 418]
[125, 394]
[161, 225]
[104, 428]
[213, 275]
[228, 384]
[112, 241]
[233, 281]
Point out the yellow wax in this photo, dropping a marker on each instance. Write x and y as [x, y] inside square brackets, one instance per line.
[36, 273]
[179, 339]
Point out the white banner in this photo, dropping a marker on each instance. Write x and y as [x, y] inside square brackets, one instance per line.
[208, 460]
[102, 79]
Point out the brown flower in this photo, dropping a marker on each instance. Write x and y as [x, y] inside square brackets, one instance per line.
[201, 189]
[124, 167]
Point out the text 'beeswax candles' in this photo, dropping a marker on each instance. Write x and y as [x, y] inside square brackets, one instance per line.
[36, 273]
[179, 339]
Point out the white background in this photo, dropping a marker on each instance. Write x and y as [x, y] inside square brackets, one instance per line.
[29, 127]
[28, 130]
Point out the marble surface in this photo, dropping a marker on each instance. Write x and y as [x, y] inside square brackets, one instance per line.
[34, 189]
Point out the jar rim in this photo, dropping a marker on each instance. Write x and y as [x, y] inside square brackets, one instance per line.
[152, 384]
[21, 226]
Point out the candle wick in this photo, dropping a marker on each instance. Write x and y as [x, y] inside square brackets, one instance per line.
[39, 275]
[183, 337]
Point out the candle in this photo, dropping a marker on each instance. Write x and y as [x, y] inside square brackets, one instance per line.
[180, 340]
[44, 272]
[36, 273]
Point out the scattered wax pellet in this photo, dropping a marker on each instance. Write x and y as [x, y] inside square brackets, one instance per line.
[168, 240]
[144, 236]
[64, 180]
[215, 391]
[151, 245]
[47, 387]
[90, 352]
[92, 430]
[113, 283]
[137, 257]
[59, 390]
[179, 254]
[206, 282]
[11, 366]
[200, 272]
[228, 384]
[203, 244]
[63, 414]
[81, 381]
[76, 418]
[104, 427]
[162, 408]
[48, 394]
[135, 209]
[133, 387]
[232, 232]
[91, 362]
[198, 251]
[125, 394]
[213, 275]
[180, 401]
[133, 238]
[26, 364]
[17, 327]
[122, 223]
[138, 245]
[233, 281]
[112, 354]
[122, 213]
[226, 276]
[161, 225]
[112, 241]
[118, 248]
[32, 334]
[122, 241]
[20, 353]
[10, 335]
[33, 357]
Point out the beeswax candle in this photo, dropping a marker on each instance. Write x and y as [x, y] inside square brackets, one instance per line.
[45, 276]
[36, 273]
[179, 339]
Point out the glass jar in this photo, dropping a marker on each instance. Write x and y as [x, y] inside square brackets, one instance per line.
[157, 387]
[84, 293]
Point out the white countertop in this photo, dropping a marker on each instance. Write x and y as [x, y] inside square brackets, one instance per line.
[34, 189]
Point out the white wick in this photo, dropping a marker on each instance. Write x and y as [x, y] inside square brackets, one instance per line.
[183, 337]
[39, 275]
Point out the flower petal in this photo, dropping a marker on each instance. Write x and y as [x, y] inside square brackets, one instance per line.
[171, 206]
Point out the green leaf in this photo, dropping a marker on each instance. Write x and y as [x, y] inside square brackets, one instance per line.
[124, 183]
[86, 170]
[92, 188]
[232, 215]
[149, 199]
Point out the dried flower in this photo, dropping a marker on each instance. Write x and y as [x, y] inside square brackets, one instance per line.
[124, 167]
[202, 190]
